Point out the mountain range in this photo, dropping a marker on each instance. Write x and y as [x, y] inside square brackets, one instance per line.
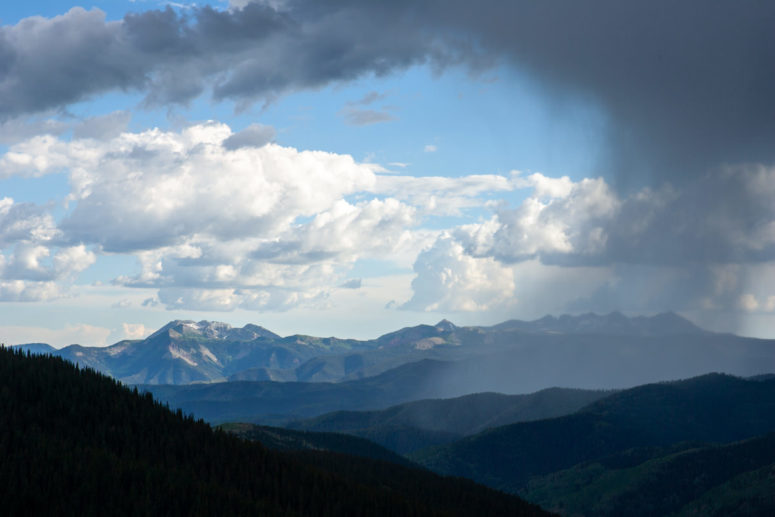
[585, 351]
[713, 408]
[408, 427]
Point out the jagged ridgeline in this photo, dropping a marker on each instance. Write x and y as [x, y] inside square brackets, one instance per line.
[74, 441]
[585, 351]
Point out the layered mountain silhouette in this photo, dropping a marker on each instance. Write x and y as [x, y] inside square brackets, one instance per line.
[713, 408]
[683, 479]
[412, 426]
[585, 351]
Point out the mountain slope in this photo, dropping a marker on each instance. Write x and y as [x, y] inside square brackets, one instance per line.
[276, 403]
[711, 408]
[281, 439]
[665, 483]
[415, 425]
[76, 442]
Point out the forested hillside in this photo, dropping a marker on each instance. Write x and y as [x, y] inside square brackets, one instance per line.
[409, 427]
[686, 479]
[77, 442]
[711, 408]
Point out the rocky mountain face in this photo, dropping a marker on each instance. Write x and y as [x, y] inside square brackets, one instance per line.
[184, 352]
[585, 351]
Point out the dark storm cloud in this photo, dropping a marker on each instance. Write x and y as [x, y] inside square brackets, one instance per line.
[724, 217]
[688, 85]
[254, 53]
[49, 63]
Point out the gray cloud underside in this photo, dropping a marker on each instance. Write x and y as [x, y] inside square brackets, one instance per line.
[687, 85]
[249, 54]
[255, 135]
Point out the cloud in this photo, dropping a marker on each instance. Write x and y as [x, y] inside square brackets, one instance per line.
[440, 195]
[369, 98]
[254, 52]
[83, 334]
[430, 148]
[693, 247]
[151, 302]
[37, 156]
[365, 117]
[256, 192]
[748, 302]
[24, 127]
[300, 266]
[369, 228]
[686, 86]
[274, 299]
[354, 283]
[587, 222]
[29, 291]
[34, 266]
[103, 127]
[355, 113]
[134, 330]
[272, 227]
[448, 279]
[37, 263]
[255, 135]
[24, 222]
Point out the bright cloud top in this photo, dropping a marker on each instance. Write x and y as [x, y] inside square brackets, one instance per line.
[219, 226]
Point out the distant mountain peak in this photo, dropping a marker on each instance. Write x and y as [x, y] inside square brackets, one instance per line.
[445, 325]
[35, 348]
[213, 330]
[665, 323]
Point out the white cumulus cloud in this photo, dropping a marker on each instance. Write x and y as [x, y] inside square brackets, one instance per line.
[448, 279]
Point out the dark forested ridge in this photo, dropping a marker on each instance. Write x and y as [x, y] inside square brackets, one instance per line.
[281, 439]
[710, 408]
[76, 442]
[412, 426]
[685, 479]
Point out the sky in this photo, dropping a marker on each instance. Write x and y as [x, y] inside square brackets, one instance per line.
[349, 168]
